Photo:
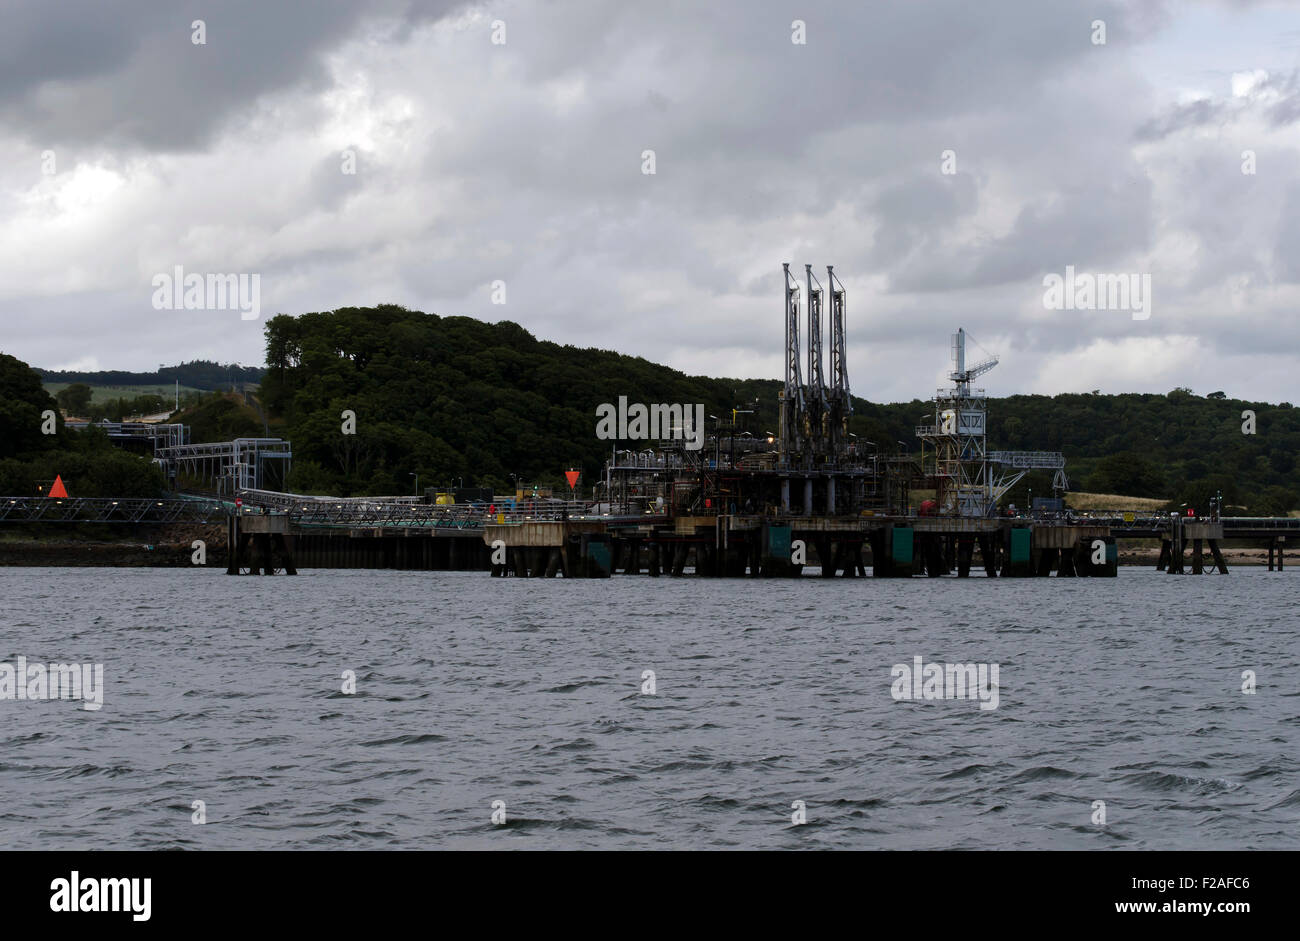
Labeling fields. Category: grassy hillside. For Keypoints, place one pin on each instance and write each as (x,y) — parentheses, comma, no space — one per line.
(1112,501)
(105,394)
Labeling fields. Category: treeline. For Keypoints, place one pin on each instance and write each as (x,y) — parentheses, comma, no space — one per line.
(453,398)
(200,374)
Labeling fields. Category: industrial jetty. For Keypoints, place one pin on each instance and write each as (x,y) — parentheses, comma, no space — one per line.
(741,503)
(719,500)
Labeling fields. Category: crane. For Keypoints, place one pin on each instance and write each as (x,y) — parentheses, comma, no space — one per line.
(961,375)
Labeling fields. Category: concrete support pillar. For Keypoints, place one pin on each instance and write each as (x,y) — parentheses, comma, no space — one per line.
(965,552)
(262,553)
(933,555)
(988,543)
(284,545)
(829,555)
(232,547)
(1218,557)
(1111,567)
(807,496)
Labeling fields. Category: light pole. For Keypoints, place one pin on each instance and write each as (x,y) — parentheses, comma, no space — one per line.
(417,482)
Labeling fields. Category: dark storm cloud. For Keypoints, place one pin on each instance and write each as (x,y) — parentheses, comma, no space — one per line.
(127,73)
(522,162)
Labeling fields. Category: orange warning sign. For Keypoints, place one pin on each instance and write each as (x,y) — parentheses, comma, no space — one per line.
(58,490)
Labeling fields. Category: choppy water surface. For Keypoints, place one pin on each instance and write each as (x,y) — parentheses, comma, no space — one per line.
(473,689)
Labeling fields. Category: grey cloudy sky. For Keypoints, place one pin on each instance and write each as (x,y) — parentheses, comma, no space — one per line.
(521,162)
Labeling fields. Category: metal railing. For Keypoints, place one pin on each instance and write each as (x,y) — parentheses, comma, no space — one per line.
(161,434)
(1048,460)
(409,511)
(108,510)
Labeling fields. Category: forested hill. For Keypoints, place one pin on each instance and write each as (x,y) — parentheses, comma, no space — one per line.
(199,374)
(454,397)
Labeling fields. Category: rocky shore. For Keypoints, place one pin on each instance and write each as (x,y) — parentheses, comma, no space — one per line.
(145,547)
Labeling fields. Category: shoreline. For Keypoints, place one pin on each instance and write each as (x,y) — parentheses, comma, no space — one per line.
(146,547)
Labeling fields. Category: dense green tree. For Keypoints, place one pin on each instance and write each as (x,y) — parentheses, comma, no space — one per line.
(23,404)
(1127,474)
(75,399)
(221,417)
(88,462)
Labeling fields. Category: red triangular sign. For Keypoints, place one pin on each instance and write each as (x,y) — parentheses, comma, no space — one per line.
(58,490)
(572,478)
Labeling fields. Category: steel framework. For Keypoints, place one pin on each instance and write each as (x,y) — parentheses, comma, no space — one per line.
(230,466)
(839,400)
(969,480)
(814,415)
(793,430)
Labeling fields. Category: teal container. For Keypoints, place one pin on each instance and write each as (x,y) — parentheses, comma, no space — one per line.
(901,546)
(598,554)
(778,542)
(1020,542)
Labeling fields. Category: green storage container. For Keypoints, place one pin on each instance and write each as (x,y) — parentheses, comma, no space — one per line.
(778,542)
(901,547)
(1020,540)
(598,553)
